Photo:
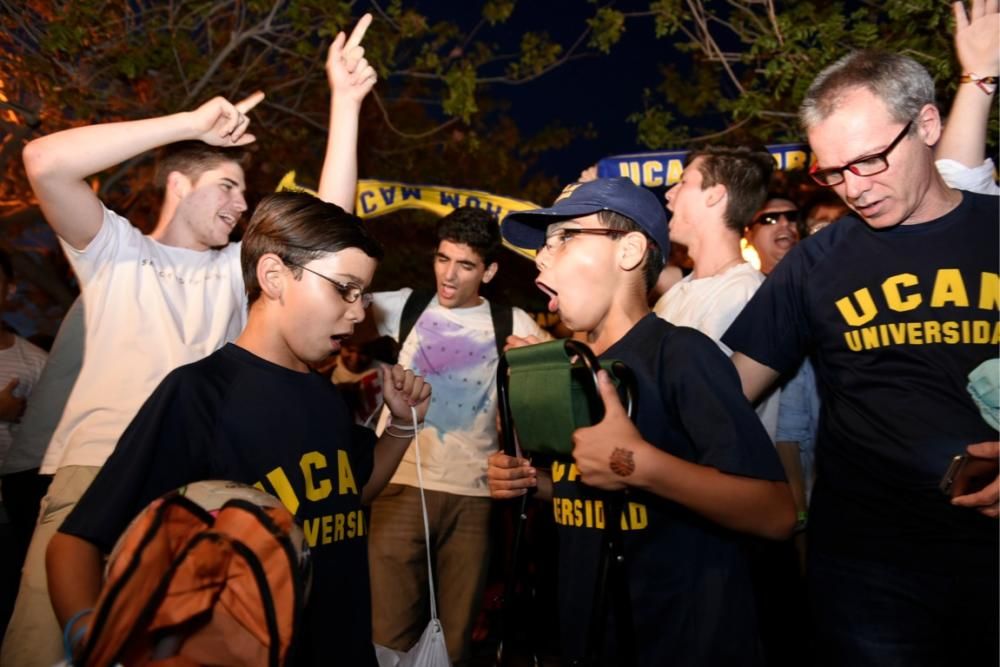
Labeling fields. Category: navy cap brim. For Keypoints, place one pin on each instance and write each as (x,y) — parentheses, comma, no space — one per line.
(526,229)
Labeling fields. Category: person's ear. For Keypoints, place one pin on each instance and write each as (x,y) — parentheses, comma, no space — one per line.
(491,271)
(179,185)
(272,275)
(632,250)
(716,194)
(929,124)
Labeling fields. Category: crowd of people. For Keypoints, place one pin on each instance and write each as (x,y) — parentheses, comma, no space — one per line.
(801,413)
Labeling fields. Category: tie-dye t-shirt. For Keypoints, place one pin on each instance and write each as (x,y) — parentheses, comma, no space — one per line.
(455,350)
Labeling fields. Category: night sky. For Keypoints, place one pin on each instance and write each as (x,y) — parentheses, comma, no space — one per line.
(600,91)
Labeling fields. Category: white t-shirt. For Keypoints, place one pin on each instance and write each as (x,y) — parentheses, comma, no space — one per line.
(455,350)
(23,361)
(149,308)
(710,305)
(974,179)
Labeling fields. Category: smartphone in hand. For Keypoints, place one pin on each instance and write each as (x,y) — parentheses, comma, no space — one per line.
(968,474)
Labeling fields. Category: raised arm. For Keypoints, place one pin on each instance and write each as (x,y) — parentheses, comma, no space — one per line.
(351,78)
(977,44)
(59,164)
(402,390)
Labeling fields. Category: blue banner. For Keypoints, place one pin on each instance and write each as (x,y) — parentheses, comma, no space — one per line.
(663,168)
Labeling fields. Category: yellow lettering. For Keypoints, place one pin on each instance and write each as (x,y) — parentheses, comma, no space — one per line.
(932,332)
(361,523)
(577,512)
(853,339)
(675,168)
(996,334)
(638,516)
(949,288)
(573,473)
(309,462)
(898,332)
(558,470)
(989,291)
(893,297)
(883,334)
(310,528)
(915,333)
(795,160)
(351,524)
(346,476)
(950,332)
(327,522)
(338,527)
(567,511)
(870,337)
(599,514)
(652,173)
(851,314)
(283,489)
(980,331)
(556,507)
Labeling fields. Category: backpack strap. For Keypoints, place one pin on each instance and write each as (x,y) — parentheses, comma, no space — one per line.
(503,324)
(501,315)
(415,305)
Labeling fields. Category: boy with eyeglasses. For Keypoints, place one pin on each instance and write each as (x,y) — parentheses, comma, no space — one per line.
(254,412)
(896,307)
(698,467)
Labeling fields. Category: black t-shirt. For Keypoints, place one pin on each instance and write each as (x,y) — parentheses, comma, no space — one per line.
(234,416)
(692,602)
(894,320)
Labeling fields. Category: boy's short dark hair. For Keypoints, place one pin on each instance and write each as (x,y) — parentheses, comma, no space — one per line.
(653,261)
(746,173)
(298,228)
(474,227)
(6,266)
(194,158)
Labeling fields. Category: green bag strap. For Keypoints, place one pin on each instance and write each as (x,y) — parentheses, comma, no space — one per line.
(550,397)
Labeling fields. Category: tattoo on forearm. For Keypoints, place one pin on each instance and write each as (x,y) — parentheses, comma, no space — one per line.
(622,462)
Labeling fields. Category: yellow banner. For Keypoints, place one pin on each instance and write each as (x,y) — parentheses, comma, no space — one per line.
(375,198)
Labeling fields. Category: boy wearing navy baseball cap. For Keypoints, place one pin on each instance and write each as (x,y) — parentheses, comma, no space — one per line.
(700,472)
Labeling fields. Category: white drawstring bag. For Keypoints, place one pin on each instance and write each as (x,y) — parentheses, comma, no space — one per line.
(430,650)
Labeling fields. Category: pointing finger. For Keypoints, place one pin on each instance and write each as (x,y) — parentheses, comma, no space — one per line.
(359,31)
(249,102)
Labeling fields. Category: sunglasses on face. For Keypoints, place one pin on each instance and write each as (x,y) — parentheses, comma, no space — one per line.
(774,217)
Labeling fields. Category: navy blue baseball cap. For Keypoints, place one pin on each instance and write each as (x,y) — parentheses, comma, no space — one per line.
(526,229)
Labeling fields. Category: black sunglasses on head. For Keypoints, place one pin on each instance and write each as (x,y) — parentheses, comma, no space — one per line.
(774,217)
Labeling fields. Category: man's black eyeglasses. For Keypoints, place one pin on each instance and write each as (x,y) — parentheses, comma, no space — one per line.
(555,241)
(348,292)
(774,217)
(869,165)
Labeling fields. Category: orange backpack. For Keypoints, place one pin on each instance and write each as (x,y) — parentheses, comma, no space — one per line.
(184,588)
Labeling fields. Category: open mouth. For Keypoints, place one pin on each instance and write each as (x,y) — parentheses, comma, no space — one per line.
(784,240)
(553,295)
(228,219)
(337,340)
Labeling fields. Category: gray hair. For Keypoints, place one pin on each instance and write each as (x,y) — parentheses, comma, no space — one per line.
(901,82)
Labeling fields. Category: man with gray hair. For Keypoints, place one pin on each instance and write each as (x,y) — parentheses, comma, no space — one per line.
(896,307)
